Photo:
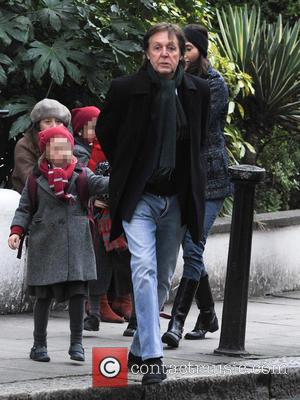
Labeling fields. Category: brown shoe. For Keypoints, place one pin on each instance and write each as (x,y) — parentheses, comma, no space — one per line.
(122,305)
(107,314)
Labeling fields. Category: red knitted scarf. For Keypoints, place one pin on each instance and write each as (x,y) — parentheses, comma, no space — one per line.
(58,178)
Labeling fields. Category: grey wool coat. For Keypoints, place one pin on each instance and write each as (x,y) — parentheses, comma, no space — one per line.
(60,246)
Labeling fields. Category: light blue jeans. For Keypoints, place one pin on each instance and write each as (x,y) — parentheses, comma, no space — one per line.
(154,235)
(194,267)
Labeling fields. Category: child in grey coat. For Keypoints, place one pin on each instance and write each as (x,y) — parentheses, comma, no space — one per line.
(61,257)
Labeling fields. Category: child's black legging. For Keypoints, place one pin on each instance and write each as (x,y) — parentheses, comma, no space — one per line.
(41,315)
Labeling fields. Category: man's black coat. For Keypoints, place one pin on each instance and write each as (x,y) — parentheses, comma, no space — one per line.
(124,135)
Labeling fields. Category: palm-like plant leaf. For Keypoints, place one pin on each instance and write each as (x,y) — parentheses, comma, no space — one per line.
(270,53)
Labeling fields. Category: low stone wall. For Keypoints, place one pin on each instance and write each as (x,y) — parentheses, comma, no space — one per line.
(275,262)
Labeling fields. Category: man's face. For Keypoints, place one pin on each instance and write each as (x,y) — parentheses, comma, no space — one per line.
(164,53)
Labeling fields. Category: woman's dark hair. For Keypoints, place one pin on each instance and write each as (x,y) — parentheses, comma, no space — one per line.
(172,29)
(33,131)
(200,66)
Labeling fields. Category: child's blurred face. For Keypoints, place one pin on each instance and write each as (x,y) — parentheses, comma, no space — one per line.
(88,132)
(59,152)
(49,123)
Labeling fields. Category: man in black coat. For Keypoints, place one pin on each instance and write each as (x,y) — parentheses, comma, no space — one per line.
(153,129)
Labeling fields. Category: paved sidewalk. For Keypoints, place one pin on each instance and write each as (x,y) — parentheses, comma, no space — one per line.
(271,371)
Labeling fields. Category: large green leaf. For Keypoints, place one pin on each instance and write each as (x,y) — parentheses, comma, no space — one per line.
(20,125)
(19,105)
(56,71)
(60,57)
(13,26)
(127,46)
(57,14)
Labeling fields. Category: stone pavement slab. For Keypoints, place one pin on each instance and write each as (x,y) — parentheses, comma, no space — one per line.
(270,371)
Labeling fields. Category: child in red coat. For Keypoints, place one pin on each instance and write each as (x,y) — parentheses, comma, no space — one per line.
(87,148)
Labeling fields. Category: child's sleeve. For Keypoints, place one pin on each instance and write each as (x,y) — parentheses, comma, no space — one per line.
(22,217)
(97,184)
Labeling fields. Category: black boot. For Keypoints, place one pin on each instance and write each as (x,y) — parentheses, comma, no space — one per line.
(196,333)
(181,307)
(207,320)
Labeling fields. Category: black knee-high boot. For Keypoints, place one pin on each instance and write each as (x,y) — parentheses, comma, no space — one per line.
(181,307)
(207,320)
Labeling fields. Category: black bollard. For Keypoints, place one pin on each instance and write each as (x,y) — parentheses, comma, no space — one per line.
(232,338)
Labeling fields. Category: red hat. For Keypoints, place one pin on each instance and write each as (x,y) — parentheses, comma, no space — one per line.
(81,116)
(57,131)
